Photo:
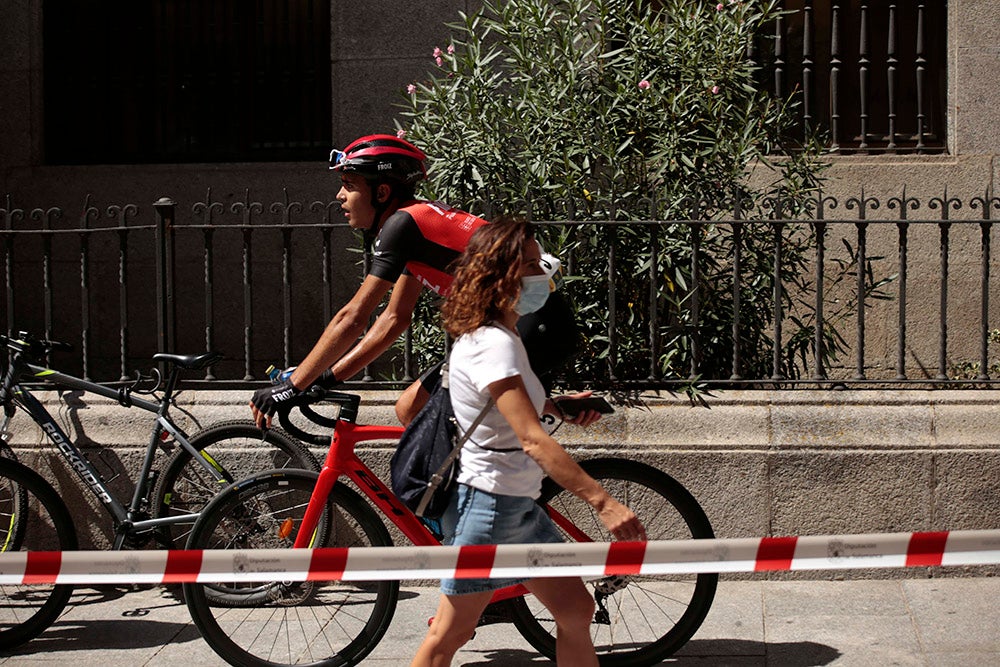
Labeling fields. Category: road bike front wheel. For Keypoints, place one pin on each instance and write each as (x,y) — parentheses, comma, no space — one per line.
(639,620)
(327,623)
(32,518)
(235,449)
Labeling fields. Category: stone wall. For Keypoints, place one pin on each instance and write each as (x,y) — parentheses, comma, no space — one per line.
(761,463)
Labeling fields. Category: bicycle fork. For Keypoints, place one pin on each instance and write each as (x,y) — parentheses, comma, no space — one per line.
(328,476)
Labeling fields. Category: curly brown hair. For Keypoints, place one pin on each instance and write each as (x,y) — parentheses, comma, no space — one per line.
(487,276)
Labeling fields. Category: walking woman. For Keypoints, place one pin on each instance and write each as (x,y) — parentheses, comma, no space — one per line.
(498,278)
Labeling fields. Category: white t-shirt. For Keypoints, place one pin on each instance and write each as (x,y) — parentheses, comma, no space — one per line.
(478,359)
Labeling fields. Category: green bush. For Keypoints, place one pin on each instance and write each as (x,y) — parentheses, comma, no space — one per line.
(629,111)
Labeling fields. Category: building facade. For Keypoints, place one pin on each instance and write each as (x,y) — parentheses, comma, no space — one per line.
(229,107)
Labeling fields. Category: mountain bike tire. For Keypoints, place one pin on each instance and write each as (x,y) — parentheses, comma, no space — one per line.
(27,610)
(639,620)
(328,623)
(12,523)
(237,449)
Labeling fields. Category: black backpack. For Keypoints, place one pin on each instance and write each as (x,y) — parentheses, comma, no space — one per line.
(425,463)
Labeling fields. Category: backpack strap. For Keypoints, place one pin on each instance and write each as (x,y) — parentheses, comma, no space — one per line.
(438,477)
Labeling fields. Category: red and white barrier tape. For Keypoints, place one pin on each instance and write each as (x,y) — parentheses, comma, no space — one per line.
(837,552)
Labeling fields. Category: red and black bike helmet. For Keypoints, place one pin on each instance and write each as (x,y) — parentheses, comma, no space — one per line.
(381,156)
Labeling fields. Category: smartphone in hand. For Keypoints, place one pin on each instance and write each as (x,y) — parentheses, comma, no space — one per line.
(571,407)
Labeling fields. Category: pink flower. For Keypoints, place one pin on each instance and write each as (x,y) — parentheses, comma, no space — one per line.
(437,52)
(400,133)
(644,84)
(715,90)
(451,49)
(411,89)
(438,61)
(719,7)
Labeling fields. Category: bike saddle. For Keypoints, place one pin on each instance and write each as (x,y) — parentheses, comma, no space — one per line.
(189,361)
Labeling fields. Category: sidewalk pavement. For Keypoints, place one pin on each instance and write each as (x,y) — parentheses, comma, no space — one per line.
(929,622)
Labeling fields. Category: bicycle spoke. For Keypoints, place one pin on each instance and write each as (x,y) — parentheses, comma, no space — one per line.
(34,519)
(235,449)
(638,620)
(325,622)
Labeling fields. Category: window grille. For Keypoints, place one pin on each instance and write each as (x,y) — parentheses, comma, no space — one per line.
(134,81)
(872,75)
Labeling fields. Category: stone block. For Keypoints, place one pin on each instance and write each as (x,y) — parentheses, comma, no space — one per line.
(850,492)
(403,29)
(977,107)
(966,489)
(368,95)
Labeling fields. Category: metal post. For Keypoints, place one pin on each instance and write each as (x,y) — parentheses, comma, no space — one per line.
(164,235)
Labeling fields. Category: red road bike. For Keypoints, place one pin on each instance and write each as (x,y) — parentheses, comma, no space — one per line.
(638,621)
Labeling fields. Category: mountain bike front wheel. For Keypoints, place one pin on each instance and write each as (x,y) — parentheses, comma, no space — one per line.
(639,620)
(235,449)
(32,518)
(327,623)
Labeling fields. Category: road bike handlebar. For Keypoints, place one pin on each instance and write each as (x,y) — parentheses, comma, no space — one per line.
(348,404)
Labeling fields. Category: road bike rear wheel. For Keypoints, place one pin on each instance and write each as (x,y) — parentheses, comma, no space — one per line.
(32,518)
(290,623)
(236,449)
(639,620)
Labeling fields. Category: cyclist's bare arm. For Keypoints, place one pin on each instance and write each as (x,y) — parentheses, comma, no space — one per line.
(342,332)
(388,326)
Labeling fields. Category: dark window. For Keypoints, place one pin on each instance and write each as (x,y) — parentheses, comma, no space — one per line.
(132,81)
(872,75)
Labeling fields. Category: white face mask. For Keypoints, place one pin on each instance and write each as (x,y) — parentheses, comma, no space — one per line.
(534,293)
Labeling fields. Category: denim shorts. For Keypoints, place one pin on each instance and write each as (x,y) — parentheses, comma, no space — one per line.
(481,517)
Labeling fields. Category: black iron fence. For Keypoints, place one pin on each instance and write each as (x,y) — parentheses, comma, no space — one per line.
(882,299)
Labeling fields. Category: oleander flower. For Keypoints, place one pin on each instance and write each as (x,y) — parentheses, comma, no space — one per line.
(400,134)
(719,7)
(411,89)
(715,90)
(437,52)
(644,84)
(451,49)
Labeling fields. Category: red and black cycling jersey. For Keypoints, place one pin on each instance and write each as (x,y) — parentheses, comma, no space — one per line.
(422,239)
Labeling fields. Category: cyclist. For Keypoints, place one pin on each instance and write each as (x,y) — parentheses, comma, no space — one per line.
(414,242)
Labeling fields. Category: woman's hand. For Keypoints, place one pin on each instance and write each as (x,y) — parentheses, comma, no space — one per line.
(584,418)
(621,521)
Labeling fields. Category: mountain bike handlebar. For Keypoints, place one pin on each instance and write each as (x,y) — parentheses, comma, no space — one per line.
(34,348)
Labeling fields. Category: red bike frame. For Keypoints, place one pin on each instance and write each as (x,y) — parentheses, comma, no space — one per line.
(341,459)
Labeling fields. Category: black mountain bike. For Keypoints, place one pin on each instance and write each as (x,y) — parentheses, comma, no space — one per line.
(164,504)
